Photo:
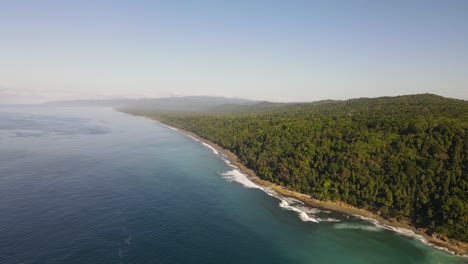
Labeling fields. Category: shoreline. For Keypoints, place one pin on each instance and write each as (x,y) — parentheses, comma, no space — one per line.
(403,228)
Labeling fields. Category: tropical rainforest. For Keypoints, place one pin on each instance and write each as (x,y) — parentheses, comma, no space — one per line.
(402,157)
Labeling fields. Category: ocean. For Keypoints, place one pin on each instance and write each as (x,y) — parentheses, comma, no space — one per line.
(92,185)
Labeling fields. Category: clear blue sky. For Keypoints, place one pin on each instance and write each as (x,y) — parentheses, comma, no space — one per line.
(270,50)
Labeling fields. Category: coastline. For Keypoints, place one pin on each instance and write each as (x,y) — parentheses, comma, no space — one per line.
(404,228)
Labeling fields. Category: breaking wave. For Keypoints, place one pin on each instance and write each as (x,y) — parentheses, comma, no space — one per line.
(357,226)
(406,232)
(237,176)
(402,231)
(329,219)
(210,147)
(192,137)
(173,128)
(303,215)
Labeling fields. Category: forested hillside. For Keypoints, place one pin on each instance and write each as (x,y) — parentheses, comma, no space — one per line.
(403,157)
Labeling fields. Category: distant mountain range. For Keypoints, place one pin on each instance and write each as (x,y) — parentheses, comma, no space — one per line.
(90,102)
(164,104)
(214,104)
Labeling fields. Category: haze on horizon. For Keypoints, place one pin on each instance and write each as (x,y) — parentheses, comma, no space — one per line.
(265,50)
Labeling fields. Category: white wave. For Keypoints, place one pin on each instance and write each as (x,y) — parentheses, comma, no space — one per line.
(444,249)
(303,215)
(192,137)
(210,147)
(329,219)
(307,209)
(409,233)
(292,201)
(173,128)
(357,226)
(237,176)
(406,232)
(368,219)
(228,162)
(270,192)
(303,211)
(402,231)
(233,166)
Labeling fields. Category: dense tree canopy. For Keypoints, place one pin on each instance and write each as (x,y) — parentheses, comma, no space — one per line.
(403,157)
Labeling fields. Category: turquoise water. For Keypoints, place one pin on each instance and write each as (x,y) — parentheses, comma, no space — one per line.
(98,186)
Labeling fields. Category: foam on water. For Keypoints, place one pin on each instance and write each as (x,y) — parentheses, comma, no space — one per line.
(173,128)
(287,203)
(229,163)
(270,191)
(292,201)
(192,137)
(357,226)
(329,219)
(304,216)
(307,209)
(402,231)
(125,247)
(368,219)
(406,232)
(210,147)
(237,176)
(409,233)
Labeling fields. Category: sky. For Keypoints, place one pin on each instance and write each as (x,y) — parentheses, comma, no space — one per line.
(265,50)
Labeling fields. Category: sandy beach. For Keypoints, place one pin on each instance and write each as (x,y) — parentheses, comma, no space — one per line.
(402,227)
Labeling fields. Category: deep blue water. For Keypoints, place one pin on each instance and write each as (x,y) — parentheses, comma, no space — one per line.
(97,186)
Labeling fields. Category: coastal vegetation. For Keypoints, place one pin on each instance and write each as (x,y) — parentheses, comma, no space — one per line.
(401,157)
